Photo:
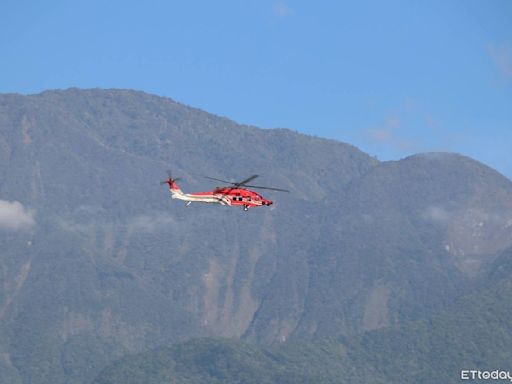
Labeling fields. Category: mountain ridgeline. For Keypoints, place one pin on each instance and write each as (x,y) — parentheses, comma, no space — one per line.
(358,251)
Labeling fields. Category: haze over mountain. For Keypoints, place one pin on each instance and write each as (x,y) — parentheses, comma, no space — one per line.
(103,263)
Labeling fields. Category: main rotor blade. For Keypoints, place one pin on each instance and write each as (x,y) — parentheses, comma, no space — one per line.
(270,188)
(213,178)
(238,184)
(244,182)
(169,174)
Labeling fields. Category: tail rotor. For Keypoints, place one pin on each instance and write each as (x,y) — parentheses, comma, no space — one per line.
(170,180)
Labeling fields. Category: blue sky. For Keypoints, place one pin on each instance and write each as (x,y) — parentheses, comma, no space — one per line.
(391,77)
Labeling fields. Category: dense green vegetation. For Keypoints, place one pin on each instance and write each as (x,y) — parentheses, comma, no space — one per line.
(475,333)
(229,361)
(424,352)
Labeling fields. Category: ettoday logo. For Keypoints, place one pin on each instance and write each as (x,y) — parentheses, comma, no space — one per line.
(473,374)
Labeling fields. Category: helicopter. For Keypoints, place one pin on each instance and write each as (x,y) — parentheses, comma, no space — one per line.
(233,194)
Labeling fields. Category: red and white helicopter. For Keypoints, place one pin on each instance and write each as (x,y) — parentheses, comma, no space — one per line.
(235,194)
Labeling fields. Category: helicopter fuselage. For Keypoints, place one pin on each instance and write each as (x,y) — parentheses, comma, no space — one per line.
(243,197)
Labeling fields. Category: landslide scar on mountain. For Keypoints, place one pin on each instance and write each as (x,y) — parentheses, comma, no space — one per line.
(19,281)
(223,313)
(376,309)
(24,130)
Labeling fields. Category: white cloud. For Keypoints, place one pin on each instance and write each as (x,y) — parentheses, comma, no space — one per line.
(502,57)
(87,220)
(437,214)
(281,9)
(13,216)
(388,135)
(74,227)
(150,223)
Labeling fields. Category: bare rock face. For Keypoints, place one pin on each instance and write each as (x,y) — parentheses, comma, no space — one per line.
(110,265)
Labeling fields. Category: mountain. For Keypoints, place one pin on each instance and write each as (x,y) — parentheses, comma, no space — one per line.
(111,266)
(231,361)
(406,239)
(475,333)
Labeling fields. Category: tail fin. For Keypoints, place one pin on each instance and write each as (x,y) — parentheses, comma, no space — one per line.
(174,188)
